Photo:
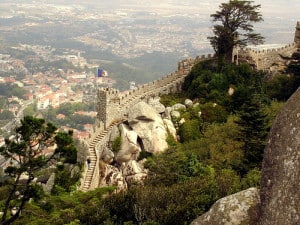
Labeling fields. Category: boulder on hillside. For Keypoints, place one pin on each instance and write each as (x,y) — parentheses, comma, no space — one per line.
(175,114)
(170,128)
(149,126)
(155,103)
(107,155)
(280,185)
(130,149)
(133,172)
(237,209)
(178,106)
(188,103)
(112,176)
(48,184)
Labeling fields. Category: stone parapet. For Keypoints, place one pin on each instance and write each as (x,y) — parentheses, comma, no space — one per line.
(265,58)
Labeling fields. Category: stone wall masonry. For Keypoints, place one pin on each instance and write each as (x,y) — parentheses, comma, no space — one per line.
(264,59)
(297,35)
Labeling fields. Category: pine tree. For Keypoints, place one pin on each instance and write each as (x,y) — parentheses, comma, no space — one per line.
(28,153)
(253,132)
(235,19)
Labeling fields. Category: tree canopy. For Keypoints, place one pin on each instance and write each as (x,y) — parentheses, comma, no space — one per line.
(235,27)
(29,151)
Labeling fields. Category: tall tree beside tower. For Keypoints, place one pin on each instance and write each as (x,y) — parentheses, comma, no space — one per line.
(234,27)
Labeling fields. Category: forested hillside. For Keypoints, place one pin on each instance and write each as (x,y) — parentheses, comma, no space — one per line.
(219,153)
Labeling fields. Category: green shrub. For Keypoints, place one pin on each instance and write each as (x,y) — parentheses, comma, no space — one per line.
(252,179)
(190,130)
(116,144)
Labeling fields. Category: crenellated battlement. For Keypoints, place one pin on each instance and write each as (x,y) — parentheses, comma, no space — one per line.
(263,52)
(265,59)
(112,104)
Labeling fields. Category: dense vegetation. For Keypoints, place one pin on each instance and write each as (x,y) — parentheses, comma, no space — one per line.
(29,154)
(219,153)
(12,90)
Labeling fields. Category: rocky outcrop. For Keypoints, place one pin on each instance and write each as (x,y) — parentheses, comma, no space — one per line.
(133,172)
(237,209)
(155,103)
(149,126)
(112,176)
(146,129)
(130,149)
(280,195)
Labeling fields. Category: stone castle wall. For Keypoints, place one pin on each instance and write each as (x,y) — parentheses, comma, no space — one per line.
(297,35)
(113,105)
(112,109)
(265,59)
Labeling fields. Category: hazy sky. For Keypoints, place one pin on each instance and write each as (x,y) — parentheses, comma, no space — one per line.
(280,8)
(285,8)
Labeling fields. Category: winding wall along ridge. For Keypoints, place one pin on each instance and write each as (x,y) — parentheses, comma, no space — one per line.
(113,105)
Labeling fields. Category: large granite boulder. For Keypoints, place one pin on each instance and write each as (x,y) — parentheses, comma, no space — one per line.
(107,155)
(178,106)
(280,185)
(149,126)
(155,103)
(130,148)
(237,209)
(170,127)
(188,103)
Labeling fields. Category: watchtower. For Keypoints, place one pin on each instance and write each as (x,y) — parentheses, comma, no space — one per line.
(297,35)
(235,50)
(102,104)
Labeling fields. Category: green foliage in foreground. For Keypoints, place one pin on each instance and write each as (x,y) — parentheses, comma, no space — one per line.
(28,155)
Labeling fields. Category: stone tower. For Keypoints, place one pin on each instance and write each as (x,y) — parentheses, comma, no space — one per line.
(235,50)
(297,34)
(102,105)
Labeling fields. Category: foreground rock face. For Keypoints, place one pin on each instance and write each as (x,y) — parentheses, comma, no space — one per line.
(237,209)
(280,195)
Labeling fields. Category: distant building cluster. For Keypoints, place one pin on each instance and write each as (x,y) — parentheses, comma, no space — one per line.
(52,88)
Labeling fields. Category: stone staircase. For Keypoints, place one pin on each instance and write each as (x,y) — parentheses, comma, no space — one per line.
(89,174)
(87,182)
